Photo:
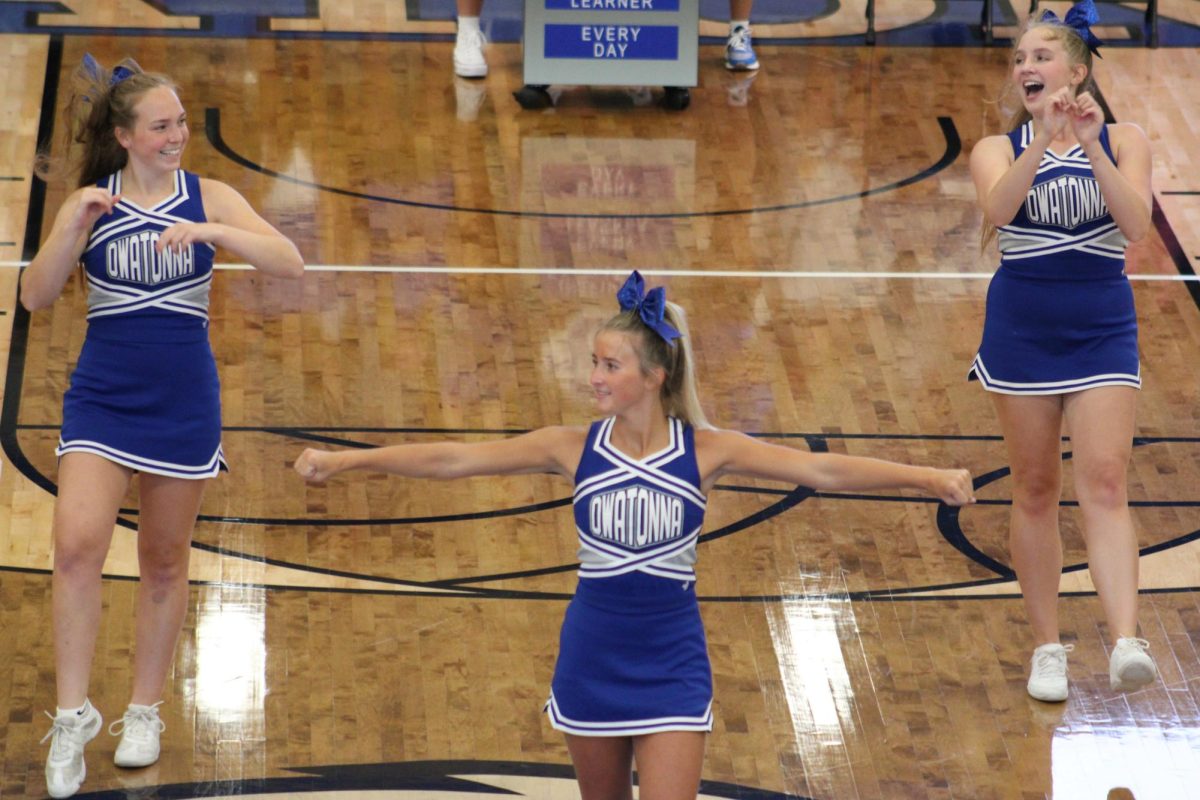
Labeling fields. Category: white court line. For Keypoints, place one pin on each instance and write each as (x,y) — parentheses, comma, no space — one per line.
(622,271)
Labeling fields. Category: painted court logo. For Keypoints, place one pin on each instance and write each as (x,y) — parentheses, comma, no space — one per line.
(417,780)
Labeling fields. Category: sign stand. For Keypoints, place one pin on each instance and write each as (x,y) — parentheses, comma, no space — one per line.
(610,43)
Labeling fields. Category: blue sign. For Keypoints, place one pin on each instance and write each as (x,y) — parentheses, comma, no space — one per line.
(612,42)
(613,5)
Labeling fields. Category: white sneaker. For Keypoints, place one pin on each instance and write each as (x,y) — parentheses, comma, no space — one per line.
(468,55)
(739,51)
(139,729)
(1130,667)
(65,768)
(1048,673)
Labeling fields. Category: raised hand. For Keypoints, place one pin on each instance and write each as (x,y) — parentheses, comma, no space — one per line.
(94,203)
(1087,118)
(1059,110)
(181,234)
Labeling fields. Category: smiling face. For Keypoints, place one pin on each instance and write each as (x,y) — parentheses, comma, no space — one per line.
(1042,66)
(617,380)
(159,131)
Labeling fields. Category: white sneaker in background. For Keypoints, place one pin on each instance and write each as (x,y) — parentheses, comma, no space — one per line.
(468,55)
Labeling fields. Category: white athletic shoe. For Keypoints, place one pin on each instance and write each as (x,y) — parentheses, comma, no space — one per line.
(1130,667)
(65,767)
(468,55)
(140,729)
(1048,673)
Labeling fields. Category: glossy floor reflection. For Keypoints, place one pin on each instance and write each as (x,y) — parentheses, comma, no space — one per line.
(1145,760)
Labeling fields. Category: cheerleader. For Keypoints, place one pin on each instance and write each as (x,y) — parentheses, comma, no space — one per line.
(632,682)
(144,397)
(1066,192)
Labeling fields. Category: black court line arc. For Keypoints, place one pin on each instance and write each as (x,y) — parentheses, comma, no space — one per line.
(1165,232)
(8,416)
(212,128)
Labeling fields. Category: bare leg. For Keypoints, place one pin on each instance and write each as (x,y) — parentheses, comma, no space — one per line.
(1032,428)
(669,764)
(90,490)
(1101,423)
(168,515)
(603,766)
(470,8)
(738,9)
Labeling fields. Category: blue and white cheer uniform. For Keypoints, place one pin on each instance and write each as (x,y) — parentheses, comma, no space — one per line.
(633,658)
(1060,315)
(145,392)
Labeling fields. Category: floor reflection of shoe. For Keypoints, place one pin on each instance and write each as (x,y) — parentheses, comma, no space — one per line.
(469,97)
(639,95)
(140,784)
(738,89)
(1045,716)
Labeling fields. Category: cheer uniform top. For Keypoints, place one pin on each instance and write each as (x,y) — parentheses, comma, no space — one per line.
(1060,315)
(144,392)
(632,657)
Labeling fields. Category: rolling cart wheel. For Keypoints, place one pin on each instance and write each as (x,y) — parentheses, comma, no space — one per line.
(533,97)
(677,98)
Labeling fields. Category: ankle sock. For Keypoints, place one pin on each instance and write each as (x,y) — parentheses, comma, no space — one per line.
(468,25)
(74,712)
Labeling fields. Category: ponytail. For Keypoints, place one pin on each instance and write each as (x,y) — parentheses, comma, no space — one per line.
(101,101)
(678,393)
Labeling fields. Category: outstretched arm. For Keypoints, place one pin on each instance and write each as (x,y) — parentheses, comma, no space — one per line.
(730,453)
(234,226)
(556,450)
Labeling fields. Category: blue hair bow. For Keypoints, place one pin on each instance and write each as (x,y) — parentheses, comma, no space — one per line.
(651,306)
(1080,18)
(119,74)
(94,70)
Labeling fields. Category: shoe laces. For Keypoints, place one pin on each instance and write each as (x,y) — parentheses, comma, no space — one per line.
(1132,641)
(739,39)
(1056,660)
(137,721)
(62,734)
(477,38)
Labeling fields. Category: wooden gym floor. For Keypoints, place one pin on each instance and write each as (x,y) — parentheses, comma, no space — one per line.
(376,638)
